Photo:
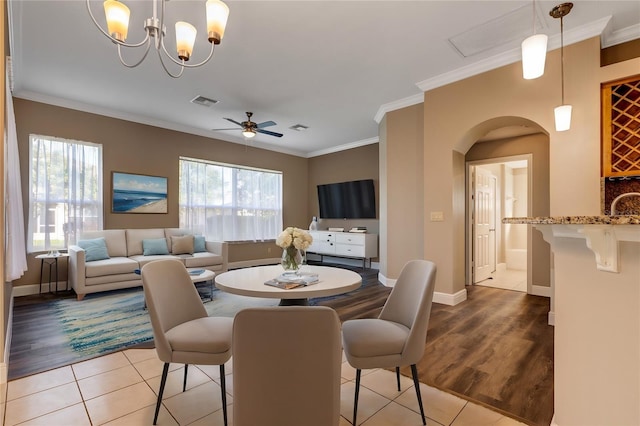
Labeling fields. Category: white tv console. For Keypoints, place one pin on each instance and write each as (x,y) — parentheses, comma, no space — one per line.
(344,244)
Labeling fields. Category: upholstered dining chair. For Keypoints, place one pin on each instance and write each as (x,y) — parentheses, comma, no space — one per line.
(182,330)
(286,366)
(397,337)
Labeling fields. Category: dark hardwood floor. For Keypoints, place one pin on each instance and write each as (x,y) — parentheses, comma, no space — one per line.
(495,348)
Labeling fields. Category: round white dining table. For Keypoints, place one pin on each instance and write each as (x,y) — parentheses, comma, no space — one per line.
(251,282)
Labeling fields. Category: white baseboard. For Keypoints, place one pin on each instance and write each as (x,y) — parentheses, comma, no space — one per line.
(443,298)
(450,299)
(29,289)
(538,290)
(551,318)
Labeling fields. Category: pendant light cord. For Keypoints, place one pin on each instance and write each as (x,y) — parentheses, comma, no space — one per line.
(562,57)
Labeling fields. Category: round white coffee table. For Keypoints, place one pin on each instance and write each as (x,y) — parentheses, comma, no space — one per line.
(251,282)
(206,276)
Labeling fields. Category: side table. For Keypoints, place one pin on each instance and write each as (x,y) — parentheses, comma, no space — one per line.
(51,260)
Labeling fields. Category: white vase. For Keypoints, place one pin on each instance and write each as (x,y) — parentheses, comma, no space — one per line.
(313,226)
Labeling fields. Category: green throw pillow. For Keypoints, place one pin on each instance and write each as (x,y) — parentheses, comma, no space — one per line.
(95,249)
(198,244)
(154,246)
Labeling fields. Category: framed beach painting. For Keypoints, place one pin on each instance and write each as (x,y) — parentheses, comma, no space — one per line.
(132,193)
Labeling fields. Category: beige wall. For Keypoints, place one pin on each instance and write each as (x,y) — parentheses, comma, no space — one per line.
(137,148)
(457,115)
(352,164)
(538,146)
(402,207)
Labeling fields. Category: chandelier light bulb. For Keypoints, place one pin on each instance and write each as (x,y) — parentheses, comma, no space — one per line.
(217,15)
(117,15)
(185,39)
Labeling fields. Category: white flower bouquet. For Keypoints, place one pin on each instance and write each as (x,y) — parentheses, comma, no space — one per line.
(295,242)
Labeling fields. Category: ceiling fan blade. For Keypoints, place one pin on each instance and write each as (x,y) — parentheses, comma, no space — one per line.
(265,124)
(231,128)
(267,132)
(233,121)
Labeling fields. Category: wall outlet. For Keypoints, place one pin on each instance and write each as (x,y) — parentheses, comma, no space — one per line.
(437,216)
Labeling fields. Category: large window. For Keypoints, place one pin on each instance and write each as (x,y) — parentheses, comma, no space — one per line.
(230,203)
(65,191)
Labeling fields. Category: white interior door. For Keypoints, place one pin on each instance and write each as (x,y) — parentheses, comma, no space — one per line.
(484,218)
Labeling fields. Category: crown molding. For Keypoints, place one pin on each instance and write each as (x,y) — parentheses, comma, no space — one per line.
(621,36)
(93,109)
(402,103)
(344,147)
(576,35)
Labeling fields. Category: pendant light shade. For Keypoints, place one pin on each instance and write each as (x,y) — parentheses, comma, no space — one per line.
(534,55)
(563,117)
(563,112)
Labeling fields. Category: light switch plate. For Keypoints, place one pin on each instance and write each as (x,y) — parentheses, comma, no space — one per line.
(437,216)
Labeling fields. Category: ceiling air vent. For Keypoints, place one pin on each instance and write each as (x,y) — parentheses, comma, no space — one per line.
(201,100)
(299,127)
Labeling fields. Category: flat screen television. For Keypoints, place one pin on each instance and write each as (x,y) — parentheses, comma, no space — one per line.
(347,200)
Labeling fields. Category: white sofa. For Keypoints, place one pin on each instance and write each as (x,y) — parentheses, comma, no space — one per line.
(125,249)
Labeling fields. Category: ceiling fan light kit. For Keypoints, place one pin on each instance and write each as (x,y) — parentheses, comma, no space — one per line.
(117,16)
(250,128)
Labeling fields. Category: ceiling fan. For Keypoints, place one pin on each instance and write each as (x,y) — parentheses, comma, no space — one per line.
(250,128)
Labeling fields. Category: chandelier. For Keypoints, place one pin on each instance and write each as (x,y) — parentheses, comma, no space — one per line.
(117,17)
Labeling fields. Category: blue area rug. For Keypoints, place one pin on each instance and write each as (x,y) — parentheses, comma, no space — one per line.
(106,322)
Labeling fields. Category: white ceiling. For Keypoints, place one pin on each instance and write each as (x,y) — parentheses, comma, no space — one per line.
(334,66)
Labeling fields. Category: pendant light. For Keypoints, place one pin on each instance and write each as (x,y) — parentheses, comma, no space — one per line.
(563,112)
(534,52)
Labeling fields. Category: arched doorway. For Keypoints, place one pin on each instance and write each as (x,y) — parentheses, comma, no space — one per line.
(499,141)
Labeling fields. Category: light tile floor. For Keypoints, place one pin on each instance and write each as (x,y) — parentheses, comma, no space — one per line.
(507,279)
(120,389)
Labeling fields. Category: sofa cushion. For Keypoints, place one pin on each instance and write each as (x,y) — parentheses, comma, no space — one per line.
(115,239)
(199,260)
(154,246)
(176,232)
(95,249)
(198,244)
(112,266)
(182,245)
(143,260)
(134,239)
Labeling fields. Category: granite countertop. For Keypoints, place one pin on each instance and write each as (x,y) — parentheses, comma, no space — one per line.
(575,220)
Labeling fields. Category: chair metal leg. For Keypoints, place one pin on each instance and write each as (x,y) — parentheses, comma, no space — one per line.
(355,400)
(398,377)
(163,381)
(416,384)
(223,387)
(184,382)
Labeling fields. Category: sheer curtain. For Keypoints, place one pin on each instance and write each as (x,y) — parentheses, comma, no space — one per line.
(228,203)
(16,255)
(65,196)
